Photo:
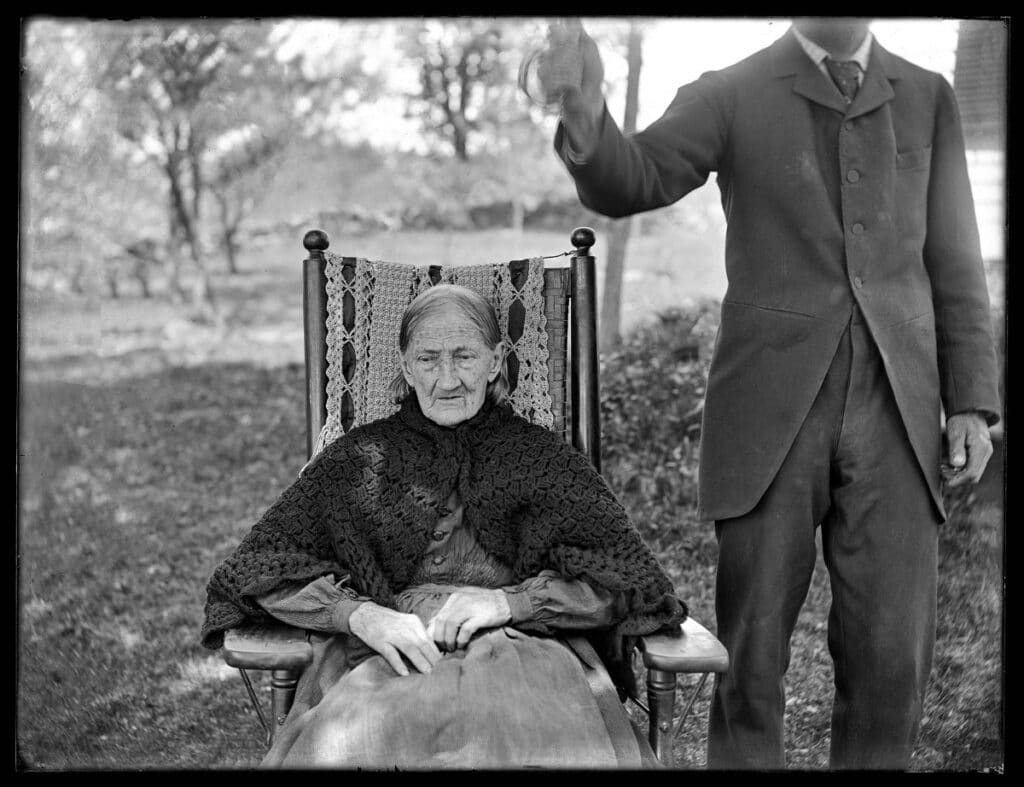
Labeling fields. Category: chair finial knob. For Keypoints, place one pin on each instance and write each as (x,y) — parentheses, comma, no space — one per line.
(583,238)
(316,240)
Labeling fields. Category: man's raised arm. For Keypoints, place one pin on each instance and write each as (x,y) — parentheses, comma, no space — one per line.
(616,175)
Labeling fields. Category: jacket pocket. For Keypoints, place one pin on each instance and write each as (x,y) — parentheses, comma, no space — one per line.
(914,159)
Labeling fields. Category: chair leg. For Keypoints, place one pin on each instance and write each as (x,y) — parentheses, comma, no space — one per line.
(282,685)
(256,704)
(661,697)
(689,704)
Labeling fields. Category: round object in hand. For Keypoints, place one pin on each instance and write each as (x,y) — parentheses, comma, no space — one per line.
(558,65)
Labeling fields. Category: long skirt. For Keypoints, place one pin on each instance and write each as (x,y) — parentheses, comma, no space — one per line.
(507,700)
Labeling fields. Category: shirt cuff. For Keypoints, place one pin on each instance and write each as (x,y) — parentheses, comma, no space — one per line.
(342,611)
(574,158)
(991,418)
(519,604)
(563,142)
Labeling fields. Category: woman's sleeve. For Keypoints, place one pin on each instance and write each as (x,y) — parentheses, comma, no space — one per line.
(548,602)
(592,538)
(291,543)
(321,605)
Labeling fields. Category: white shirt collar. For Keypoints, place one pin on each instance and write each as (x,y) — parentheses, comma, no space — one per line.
(818,55)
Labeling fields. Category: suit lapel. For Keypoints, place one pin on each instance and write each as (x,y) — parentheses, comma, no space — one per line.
(811,83)
(875,90)
(789,59)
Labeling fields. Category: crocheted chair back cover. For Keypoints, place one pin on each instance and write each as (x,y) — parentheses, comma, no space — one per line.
(362,339)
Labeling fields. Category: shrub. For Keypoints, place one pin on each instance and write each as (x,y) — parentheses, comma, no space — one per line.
(652,399)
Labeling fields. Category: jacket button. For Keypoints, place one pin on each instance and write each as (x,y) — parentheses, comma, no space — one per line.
(848,125)
(853,176)
(857,228)
(858,282)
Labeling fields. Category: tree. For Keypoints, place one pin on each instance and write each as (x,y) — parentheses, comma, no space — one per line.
(469,106)
(618,237)
(169,133)
(187,93)
(240,173)
(157,74)
(85,197)
(467,92)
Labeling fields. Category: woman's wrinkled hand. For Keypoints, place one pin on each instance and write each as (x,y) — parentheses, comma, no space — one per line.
(394,634)
(464,613)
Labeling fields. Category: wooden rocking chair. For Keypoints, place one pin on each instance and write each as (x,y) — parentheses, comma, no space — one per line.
(569,303)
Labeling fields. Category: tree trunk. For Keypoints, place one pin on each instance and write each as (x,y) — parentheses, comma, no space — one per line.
(76,279)
(175,242)
(618,237)
(611,300)
(229,230)
(230,252)
(141,273)
(112,282)
(202,290)
(459,141)
(172,254)
(174,285)
(518,213)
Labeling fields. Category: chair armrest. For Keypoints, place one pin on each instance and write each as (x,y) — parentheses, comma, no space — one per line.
(695,650)
(270,646)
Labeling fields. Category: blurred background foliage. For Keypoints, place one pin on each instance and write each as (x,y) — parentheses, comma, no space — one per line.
(150,147)
(154,151)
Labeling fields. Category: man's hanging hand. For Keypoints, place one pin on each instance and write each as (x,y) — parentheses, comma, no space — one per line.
(970,448)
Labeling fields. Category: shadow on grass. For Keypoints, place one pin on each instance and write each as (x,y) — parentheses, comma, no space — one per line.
(130,494)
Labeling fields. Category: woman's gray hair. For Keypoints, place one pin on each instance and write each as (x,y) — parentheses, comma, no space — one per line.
(476,308)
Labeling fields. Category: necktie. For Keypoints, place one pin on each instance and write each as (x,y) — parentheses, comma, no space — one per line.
(844,74)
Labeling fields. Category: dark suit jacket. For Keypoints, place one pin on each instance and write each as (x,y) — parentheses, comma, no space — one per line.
(827,205)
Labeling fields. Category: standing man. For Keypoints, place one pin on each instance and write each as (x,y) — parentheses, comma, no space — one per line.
(856,315)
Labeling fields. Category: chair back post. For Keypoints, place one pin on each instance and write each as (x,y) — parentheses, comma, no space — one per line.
(586,415)
(314,320)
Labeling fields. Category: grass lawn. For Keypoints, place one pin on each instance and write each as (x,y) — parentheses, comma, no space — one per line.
(149,445)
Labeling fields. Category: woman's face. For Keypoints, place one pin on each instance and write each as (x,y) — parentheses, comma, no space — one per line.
(448,364)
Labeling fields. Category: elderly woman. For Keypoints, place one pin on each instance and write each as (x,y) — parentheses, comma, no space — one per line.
(439,555)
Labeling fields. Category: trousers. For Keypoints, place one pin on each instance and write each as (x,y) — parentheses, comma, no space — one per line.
(851,471)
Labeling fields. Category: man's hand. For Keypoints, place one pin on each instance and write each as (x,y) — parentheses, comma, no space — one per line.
(464,613)
(970,448)
(571,70)
(394,634)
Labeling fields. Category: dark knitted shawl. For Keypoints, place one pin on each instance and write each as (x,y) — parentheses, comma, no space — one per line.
(367,504)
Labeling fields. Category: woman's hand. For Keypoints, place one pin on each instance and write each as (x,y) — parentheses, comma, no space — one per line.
(464,613)
(393,635)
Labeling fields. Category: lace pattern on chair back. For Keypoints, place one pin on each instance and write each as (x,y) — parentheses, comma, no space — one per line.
(362,357)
